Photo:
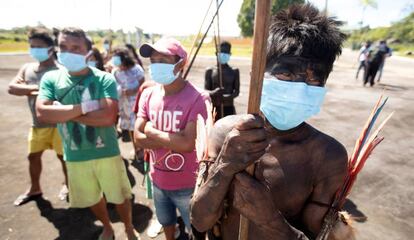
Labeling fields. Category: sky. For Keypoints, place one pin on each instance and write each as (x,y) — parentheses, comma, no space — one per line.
(170,17)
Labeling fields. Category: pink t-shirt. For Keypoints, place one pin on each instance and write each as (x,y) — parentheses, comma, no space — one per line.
(172,170)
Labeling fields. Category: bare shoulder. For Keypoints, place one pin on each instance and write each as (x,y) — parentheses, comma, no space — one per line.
(330,154)
(209,70)
(219,132)
(235,69)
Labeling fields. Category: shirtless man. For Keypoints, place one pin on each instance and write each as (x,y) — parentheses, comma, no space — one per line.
(298,168)
(231,83)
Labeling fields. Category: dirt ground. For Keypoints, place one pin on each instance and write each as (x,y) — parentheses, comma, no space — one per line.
(382,199)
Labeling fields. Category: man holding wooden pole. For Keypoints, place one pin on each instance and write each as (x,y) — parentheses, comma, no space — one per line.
(298,169)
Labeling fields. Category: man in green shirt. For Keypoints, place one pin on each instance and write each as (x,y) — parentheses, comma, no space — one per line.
(83,102)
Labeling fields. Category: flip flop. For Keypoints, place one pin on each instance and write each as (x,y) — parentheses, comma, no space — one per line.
(63,194)
(25,198)
(154,229)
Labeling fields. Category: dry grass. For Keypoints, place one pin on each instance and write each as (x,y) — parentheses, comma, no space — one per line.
(12,46)
(241,47)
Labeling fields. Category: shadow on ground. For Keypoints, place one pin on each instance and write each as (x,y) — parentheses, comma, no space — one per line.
(392,87)
(79,224)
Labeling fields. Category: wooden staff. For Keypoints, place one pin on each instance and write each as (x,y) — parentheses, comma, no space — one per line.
(261,32)
(218,50)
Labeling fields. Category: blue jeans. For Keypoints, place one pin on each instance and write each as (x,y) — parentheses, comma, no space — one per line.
(167,201)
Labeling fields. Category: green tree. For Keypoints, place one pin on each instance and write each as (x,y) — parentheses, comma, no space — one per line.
(245,19)
(403,30)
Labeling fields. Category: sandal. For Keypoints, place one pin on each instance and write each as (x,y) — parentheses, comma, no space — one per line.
(64,192)
(25,198)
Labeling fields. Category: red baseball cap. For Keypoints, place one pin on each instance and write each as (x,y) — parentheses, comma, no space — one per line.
(169,46)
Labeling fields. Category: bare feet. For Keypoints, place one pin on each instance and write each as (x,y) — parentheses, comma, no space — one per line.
(132,234)
(107,234)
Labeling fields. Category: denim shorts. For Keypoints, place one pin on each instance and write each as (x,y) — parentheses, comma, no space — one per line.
(167,201)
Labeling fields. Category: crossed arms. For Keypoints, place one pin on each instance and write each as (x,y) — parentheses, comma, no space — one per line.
(104,116)
(148,137)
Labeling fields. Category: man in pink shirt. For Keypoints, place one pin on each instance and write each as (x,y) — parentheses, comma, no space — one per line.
(166,125)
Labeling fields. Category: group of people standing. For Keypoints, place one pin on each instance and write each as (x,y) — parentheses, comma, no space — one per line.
(372,59)
(79,96)
(299,169)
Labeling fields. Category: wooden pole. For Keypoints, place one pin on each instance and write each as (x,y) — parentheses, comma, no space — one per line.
(218,42)
(261,33)
(201,42)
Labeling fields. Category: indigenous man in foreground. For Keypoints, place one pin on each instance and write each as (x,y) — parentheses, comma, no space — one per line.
(84,103)
(298,168)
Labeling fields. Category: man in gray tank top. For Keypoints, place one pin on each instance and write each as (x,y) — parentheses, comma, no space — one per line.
(41,136)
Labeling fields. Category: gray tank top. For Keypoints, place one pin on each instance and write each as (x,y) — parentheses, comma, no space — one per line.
(32,76)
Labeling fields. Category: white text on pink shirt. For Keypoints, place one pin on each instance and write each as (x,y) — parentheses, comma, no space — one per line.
(166,121)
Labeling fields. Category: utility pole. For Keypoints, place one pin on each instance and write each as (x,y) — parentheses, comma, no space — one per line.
(110,14)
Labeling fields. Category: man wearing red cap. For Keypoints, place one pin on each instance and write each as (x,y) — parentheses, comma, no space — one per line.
(166,125)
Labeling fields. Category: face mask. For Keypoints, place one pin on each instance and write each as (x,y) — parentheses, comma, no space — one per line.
(73,62)
(116,60)
(163,73)
(106,46)
(40,54)
(288,104)
(223,58)
(92,64)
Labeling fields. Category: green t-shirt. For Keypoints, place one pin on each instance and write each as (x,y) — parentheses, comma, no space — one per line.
(82,142)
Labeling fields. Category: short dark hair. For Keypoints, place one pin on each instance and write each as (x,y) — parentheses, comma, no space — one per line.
(126,57)
(225,47)
(43,34)
(79,33)
(99,59)
(134,52)
(303,31)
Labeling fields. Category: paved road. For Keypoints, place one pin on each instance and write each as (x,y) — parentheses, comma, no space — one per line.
(384,193)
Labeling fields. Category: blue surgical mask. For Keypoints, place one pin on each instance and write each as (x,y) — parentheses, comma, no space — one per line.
(106,46)
(92,64)
(40,54)
(71,61)
(287,104)
(163,73)
(116,60)
(224,58)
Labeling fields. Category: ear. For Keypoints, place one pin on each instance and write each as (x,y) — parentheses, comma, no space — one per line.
(179,66)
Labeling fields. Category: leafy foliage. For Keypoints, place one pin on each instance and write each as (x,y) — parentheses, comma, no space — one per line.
(399,34)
